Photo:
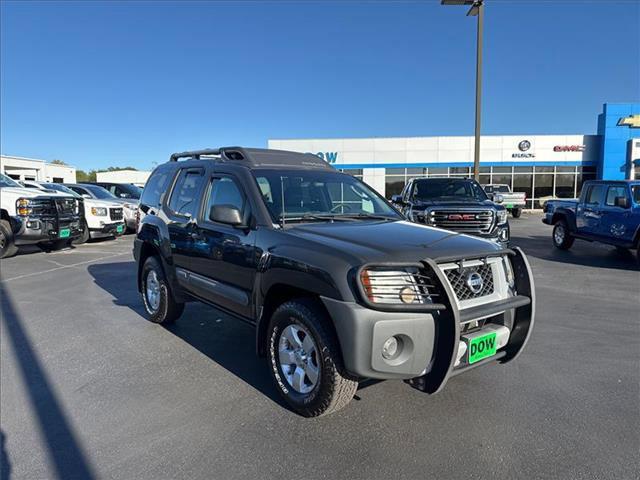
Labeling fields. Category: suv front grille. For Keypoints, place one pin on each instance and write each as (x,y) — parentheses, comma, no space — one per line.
(115,214)
(465,221)
(459,280)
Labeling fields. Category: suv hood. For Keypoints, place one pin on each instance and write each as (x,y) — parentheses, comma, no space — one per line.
(395,241)
(26,192)
(92,202)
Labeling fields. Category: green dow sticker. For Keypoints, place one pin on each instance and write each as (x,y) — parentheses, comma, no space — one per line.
(64,233)
(482,347)
(119,228)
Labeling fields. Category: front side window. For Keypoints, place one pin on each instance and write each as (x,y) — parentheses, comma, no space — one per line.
(184,198)
(613,192)
(225,191)
(318,193)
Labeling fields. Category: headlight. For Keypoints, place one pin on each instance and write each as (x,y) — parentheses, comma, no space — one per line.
(99,211)
(501,215)
(398,287)
(23,206)
(429,217)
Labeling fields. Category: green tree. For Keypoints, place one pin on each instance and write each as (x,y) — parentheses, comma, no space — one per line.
(58,162)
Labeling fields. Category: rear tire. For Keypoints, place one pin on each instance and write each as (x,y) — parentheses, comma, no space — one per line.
(7,246)
(516,212)
(312,381)
(158,299)
(562,238)
(84,237)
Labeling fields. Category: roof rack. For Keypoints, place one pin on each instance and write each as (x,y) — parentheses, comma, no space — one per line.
(256,157)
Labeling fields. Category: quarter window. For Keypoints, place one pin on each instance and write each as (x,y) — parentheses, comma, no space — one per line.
(184,199)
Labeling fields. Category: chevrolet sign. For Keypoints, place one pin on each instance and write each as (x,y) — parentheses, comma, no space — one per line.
(632,121)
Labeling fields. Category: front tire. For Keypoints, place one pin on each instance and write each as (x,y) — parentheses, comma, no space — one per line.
(158,299)
(7,246)
(516,212)
(305,360)
(562,238)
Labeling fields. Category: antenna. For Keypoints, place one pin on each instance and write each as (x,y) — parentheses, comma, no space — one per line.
(282,222)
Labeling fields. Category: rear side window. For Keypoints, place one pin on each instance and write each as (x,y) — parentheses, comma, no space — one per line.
(184,198)
(594,194)
(155,187)
(613,192)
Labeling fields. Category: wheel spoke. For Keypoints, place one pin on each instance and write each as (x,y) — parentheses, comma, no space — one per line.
(312,373)
(297,380)
(287,357)
(291,333)
(308,346)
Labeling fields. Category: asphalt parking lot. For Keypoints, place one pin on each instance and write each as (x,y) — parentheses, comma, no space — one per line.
(90,389)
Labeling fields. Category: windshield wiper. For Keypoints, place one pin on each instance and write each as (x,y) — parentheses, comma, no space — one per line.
(366,216)
(313,216)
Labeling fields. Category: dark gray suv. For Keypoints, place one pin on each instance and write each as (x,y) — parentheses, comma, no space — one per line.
(337,283)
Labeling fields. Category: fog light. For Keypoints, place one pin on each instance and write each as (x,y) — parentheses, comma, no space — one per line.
(33,225)
(390,348)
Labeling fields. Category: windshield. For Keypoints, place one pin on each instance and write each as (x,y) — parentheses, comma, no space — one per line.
(99,192)
(496,189)
(60,188)
(319,194)
(448,188)
(8,182)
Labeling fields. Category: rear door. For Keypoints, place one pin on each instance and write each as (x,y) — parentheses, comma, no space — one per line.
(182,212)
(615,223)
(589,210)
(224,257)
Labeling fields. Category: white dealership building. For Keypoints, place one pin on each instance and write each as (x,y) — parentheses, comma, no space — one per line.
(22,168)
(540,165)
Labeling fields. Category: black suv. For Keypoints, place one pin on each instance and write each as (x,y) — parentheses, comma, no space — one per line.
(458,204)
(121,190)
(338,285)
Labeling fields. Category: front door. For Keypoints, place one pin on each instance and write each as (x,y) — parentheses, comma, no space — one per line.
(224,257)
(615,222)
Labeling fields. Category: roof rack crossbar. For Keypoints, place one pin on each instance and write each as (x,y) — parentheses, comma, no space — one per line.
(195,154)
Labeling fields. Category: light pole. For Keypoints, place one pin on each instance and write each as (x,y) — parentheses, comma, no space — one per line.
(476,10)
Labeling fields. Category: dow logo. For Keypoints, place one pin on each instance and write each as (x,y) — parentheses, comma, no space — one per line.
(330,157)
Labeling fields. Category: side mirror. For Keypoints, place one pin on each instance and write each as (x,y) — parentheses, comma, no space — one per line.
(125,195)
(622,202)
(498,198)
(397,199)
(225,214)
(86,195)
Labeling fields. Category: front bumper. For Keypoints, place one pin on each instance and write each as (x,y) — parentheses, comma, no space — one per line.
(108,230)
(431,340)
(33,230)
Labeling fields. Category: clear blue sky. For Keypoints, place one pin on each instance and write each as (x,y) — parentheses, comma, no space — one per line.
(125,83)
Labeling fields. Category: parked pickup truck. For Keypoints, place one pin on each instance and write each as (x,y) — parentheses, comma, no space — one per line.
(457,204)
(30,216)
(335,281)
(607,212)
(514,202)
(101,218)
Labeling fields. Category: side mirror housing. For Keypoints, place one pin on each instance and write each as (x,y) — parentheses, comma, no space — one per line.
(86,195)
(622,202)
(397,199)
(226,214)
(498,198)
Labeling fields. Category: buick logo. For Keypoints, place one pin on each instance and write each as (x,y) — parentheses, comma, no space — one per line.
(474,282)
(524,145)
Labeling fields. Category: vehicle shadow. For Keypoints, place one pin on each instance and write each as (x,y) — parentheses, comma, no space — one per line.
(227,341)
(582,253)
(63,446)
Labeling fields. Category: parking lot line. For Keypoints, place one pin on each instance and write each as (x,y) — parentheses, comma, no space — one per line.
(63,267)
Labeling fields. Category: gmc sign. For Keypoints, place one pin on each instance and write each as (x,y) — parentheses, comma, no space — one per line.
(569,148)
